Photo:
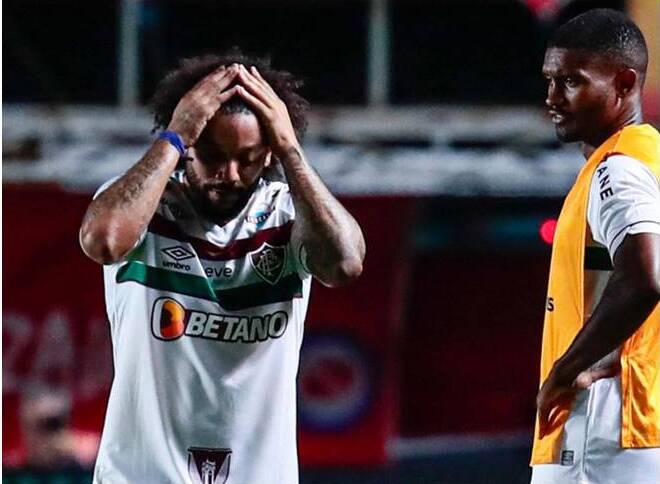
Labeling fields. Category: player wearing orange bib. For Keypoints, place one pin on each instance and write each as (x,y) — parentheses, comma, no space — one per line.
(599,403)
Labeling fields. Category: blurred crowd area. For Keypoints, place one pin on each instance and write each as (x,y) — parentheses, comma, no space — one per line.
(428,123)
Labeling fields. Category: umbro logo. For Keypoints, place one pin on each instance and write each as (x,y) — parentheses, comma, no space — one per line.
(178,253)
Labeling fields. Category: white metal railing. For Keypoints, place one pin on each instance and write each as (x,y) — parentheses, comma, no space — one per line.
(84,146)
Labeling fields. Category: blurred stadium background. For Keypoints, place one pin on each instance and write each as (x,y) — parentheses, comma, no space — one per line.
(428,122)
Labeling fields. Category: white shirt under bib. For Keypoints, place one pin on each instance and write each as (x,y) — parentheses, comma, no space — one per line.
(624,199)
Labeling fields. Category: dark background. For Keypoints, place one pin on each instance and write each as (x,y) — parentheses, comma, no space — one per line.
(475,51)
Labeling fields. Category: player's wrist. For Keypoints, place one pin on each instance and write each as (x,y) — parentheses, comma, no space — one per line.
(174,139)
(188,127)
(166,151)
(564,373)
(289,152)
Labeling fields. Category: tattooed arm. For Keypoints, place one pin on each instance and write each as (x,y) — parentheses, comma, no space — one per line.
(119,215)
(330,236)
(116,218)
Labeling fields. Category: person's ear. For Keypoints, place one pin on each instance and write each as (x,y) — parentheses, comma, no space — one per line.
(625,82)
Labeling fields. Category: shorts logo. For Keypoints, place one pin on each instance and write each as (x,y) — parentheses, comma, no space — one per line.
(567,457)
(170,325)
(208,466)
(178,253)
(269,262)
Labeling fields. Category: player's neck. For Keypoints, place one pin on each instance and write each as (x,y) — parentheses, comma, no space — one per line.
(627,118)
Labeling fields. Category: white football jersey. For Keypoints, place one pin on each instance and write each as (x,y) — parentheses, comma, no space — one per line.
(206,324)
(624,199)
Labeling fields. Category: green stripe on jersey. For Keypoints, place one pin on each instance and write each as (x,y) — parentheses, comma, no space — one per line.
(261,293)
(165,280)
(237,298)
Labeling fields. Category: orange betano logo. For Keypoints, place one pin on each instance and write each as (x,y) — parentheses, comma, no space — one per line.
(171,324)
(170,320)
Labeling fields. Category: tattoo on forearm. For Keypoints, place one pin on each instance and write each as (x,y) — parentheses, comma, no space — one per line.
(132,185)
(326,229)
(135,192)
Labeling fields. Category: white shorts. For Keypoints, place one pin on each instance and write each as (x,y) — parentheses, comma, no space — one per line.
(591,452)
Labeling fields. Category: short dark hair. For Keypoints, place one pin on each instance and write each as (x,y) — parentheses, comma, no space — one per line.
(606,32)
(190,71)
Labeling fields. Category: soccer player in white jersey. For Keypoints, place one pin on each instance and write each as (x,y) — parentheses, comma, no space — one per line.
(207,266)
(599,403)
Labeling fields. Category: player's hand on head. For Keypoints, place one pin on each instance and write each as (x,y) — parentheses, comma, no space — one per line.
(201,103)
(270,109)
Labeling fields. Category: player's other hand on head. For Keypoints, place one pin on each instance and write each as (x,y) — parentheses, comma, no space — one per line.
(200,104)
(270,109)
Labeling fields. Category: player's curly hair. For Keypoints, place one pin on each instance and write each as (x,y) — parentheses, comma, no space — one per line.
(178,82)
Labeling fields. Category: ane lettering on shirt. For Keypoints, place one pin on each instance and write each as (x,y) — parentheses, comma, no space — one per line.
(604,182)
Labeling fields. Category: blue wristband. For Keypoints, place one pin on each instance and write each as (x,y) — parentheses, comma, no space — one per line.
(175,140)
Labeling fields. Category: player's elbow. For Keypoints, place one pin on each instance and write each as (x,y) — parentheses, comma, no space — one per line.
(346,271)
(99,244)
(351,269)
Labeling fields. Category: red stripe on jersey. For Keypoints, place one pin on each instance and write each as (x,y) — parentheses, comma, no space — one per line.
(234,250)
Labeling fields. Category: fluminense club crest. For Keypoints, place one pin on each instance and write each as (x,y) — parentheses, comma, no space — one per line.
(208,466)
(269,262)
